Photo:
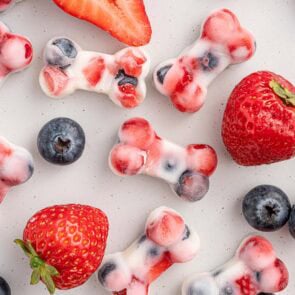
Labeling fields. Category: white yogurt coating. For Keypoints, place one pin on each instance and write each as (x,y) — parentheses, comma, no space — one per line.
(132,270)
(254,269)
(222,42)
(67,79)
(16,166)
(141,151)
(16,52)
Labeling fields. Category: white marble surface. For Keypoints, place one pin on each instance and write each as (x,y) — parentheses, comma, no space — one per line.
(217,218)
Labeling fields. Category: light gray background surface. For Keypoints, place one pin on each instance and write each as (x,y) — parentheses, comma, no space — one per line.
(217,218)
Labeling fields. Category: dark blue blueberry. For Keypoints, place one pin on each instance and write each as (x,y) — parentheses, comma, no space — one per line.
(187,233)
(209,61)
(192,186)
(142,239)
(258,276)
(61,141)
(62,52)
(170,165)
(162,72)
(154,251)
(4,287)
(227,290)
(105,270)
(126,79)
(292,222)
(266,208)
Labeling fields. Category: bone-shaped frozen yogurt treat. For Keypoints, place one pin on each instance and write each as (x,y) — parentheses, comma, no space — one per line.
(5,4)
(16,166)
(16,52)
(167,240)
(255,269)
(120,76)
(142,151)
(222,42)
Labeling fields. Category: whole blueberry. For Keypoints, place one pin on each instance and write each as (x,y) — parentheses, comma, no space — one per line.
(4,287)
(192,186)
(292,222)
(105,270)
(61,141)
(61,52)
(266,208)
(209,61)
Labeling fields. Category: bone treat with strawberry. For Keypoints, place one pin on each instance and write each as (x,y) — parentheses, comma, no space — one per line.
(255,270)
(16,166)
(120,76)
(259,120)
(125,20)
(185,79)
(167,240)
(65,245)
(141,151)
(16,52)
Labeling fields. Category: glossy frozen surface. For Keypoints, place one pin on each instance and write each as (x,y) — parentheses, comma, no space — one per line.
(128,201)
(120,76)
(254,269)
(166,240)
(222,42)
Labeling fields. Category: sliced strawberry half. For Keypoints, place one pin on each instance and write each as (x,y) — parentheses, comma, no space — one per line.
(125,20)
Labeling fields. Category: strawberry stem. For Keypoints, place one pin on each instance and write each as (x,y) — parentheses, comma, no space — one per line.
(286,95)
(41,270)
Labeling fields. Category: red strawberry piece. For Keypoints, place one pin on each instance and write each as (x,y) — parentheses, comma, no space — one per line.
(65,245)
(167,230)
(137,132)
(246,286)
(259,120)
(94,71)
(55,79)
(128,96)
(125,20)
(127,159)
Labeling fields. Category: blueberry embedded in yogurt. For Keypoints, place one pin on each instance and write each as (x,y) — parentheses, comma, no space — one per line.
(61,141)
(266,208)
(4,287)
(292,222)
(61,52)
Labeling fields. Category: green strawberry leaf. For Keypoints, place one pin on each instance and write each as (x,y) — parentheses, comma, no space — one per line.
(35,277)
(286,95)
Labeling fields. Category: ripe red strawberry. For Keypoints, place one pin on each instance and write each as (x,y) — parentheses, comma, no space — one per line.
(65,245)
(125,20)
(259,120)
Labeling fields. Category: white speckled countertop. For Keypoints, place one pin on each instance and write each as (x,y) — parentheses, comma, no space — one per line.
(217,218)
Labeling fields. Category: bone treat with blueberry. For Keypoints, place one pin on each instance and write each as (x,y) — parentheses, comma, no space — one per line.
(16,52)
(16,166)
(222,42)
(167,240)
(141,151)
(65,245)
(120,76)
(254,270)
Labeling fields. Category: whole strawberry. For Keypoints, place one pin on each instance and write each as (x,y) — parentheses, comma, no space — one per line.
(65,245)
(259,120)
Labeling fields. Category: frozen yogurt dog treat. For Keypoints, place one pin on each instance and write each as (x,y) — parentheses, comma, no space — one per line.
(222,42)
(142,151)
(120,76)
(16,166)
(254,270)
(167,239)
(16,52)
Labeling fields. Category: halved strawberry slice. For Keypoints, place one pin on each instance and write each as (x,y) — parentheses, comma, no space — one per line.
(126,20)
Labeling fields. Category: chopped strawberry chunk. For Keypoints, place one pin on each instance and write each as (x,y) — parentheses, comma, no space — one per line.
(94,71)
(246,285)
